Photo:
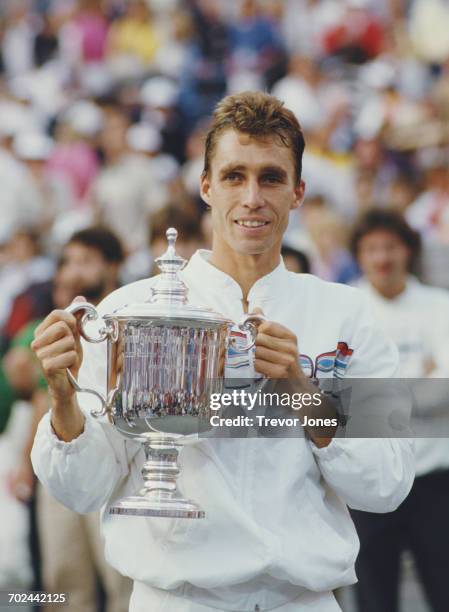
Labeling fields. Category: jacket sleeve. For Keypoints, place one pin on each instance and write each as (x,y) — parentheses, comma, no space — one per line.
(80,474)
(83,473)
(372,467)
(370,474)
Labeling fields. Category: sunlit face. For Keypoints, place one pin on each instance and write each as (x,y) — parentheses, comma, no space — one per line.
(251,189)
(383,258)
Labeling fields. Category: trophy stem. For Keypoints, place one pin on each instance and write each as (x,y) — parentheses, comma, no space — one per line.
(159,495)
(160,470)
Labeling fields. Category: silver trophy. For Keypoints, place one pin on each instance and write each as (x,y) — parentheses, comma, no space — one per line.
(165,357)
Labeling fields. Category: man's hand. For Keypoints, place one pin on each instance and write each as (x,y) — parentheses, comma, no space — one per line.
(277,357)
(276,351)
(57,346)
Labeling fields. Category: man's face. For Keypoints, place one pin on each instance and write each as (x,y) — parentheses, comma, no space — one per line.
(86,271)
(251,189)
(383,258)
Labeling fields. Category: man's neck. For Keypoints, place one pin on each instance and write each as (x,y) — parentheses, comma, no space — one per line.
(390,292)
(244,269)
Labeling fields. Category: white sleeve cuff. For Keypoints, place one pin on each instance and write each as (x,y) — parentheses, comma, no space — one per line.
(74,446)
(329,452)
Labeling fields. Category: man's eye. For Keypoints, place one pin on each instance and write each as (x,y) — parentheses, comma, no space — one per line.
(271,178)
(233,176)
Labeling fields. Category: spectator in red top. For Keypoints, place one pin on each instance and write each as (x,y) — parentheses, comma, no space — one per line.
(357,37)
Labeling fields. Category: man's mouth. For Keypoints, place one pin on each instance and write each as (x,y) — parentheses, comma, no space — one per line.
(251,222)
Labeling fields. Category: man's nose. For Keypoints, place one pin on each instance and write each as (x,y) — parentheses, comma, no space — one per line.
(253,197)
(380,257)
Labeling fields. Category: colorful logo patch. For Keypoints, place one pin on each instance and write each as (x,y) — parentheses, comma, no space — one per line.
(333,361)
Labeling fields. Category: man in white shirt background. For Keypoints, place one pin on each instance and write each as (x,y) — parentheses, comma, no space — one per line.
(416,318)
(277,532)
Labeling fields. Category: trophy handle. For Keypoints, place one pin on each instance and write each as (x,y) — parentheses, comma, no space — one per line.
(90,314)
(249,324)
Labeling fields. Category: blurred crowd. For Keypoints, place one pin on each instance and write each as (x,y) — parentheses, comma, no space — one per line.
(103,108)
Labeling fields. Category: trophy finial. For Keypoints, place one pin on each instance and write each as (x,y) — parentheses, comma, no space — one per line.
(172,234)
(169,286)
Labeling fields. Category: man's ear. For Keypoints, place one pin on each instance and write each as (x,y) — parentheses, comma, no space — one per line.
(299,195)
(205,188)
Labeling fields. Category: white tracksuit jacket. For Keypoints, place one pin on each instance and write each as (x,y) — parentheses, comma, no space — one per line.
(277,533)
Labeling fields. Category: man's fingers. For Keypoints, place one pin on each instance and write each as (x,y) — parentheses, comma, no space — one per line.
(59,347)
(58,330)
(61,315)
(53,364)
(54,317)
(276,329)
(275,357)
(269,369)
(276,344)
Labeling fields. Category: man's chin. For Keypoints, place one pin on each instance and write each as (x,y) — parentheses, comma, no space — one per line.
(252,247)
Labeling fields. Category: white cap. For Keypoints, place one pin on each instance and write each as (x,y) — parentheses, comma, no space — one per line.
(33,146)
(84,117)
(144,137)
(378,74)
(159,92)
(302,101)
(165,167)
(14,118)
(42,87)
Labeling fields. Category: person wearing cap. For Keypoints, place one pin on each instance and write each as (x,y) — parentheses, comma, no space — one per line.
(74,158)
(127,191)
(277,533)
(51,194)
(20,206)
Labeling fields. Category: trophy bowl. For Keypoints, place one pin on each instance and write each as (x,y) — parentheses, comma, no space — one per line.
(165,357)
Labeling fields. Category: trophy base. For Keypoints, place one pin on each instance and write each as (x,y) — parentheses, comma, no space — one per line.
(138,505)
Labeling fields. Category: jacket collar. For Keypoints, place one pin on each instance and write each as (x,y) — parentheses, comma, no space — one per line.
(200,271)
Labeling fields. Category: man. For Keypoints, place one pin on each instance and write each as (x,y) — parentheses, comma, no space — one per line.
(277,534)
(70,543)
(416,318)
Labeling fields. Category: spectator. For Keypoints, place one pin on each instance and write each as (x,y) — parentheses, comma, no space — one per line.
(330,259)
(133,40)
(89,265)
(17,43)
(386,249)
(429,213)
(24,265)
(125,192)
(357,37)
(46,42)
(255,45)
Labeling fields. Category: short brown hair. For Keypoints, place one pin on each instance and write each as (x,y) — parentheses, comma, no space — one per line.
(260,115)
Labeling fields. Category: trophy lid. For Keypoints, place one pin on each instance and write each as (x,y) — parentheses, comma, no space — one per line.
(169,294)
